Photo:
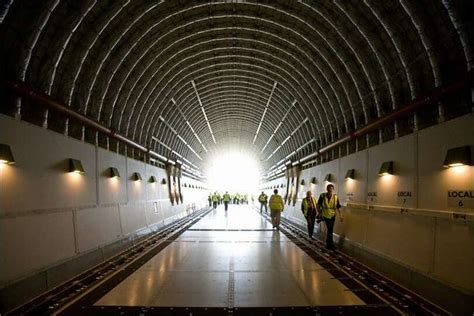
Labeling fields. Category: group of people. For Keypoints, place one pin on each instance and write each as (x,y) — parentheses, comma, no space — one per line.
(314,210)
(216,198)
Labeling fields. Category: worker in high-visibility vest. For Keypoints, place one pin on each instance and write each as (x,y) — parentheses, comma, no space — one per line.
(263,199)
(277,205)
(308,207)
(328,204)
(215,200)
(226,199)
(209,199)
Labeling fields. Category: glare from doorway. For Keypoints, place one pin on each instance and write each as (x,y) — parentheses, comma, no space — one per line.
(235,172)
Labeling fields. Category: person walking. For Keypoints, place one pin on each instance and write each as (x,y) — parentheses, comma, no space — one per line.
(308,207)
(328,204)
(263,199)
(209,198)
(215,200)
(226,198)
(276,207)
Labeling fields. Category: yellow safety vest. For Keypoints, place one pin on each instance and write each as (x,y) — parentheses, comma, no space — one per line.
(226,197)
(276,203)
(329,206)
(306,205)
(262,198)
(215,198)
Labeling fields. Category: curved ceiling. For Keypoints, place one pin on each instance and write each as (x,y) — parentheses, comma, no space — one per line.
(275,78)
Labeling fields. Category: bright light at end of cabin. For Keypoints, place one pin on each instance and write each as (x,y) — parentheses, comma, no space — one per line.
(234,172)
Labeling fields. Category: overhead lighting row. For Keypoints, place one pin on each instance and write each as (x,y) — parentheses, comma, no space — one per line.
(75,166)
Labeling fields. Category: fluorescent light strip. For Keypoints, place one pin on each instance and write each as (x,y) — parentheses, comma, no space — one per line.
(278,164)
(179,137)
(174,152)
(288,138)
(189,124)
(264,112)
(203,111)
(278,126)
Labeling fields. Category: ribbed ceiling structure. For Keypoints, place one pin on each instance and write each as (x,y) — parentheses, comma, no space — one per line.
(277,79)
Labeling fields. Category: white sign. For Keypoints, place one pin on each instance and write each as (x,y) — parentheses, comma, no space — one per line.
(461,200)
(372,197)
(405,198)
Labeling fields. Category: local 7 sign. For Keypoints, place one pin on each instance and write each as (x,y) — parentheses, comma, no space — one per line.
(461,199)
(405,198)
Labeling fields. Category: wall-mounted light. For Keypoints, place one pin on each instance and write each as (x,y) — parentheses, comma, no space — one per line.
(76,166)
(163,181)
(313,180)
(302,182)
(459,156)
(152,179)
(328,178)
(350,174)
(114,173)
(386,168)
(6,156)
(137,176)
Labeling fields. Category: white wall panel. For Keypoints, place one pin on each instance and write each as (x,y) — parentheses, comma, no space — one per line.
(29,243)
(454,253)
(39,179)
(434,180)
(132,217)
(97,227)
(111,190)
(353,190)
(402,152)
(38,198)
(136,189)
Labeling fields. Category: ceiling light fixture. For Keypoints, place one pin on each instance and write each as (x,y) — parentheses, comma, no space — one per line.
(6,156)
(459,156)
(386,168)
(76,166)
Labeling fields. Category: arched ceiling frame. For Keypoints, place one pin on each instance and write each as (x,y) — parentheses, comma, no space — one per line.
(347,71)
(247,64)
(241,107)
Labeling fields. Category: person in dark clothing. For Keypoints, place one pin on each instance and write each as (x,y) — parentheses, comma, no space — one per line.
(328,204)
(308,208)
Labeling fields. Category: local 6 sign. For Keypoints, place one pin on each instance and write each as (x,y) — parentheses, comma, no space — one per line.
(461,199)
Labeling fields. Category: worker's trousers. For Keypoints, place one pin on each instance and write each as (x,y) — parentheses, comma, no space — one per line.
(275,215)
(330,230)
(226,205)
(310,218)
(263,205)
